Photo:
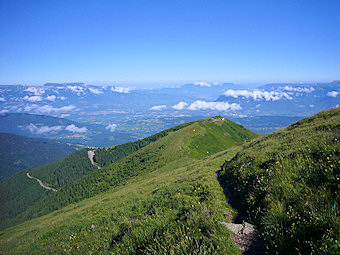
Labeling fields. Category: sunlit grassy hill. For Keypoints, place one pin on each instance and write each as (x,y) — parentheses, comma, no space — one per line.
(162,195)
(174,154)
(288,183)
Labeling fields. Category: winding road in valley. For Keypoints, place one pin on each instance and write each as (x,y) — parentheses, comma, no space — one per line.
(40,182)
(91,156)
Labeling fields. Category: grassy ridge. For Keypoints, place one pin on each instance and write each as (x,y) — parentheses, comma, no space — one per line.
(175,210)
(288,183)
(160,199)
(107,156)
(19,193)
(173,147)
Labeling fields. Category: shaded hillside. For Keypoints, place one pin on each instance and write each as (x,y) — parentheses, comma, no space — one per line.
(288,184)
(20,152)
(18,192)
(162,198)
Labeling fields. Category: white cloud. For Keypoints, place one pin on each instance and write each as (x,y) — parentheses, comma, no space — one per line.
(2,99)
(35,90)
(216,83)
(33,98)
(73,128)
(158,107)
(49,109)
(202,83)
(180,106)
(43,129)
(257,94)
(76,89)
(219,106)
(62,98)
(121,89)
(34,129)
(51,98)
(95,91)
(111,127)
(3,111)
(299,89)
(31,107)
(333,94)
(46,109)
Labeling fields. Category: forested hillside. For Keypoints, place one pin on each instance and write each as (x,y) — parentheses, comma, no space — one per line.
(288,184)
(20,152)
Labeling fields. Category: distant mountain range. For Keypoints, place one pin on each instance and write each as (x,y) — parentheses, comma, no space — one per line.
(108,115)
(88,102)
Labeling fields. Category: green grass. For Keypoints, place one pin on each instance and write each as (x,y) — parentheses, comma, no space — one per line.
(164,149)
(163,198)
(175,210)
(288,184)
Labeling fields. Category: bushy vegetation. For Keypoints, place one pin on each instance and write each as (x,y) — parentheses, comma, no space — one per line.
(288,184)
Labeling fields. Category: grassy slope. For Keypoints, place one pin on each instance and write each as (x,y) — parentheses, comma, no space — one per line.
(19,193)
(173,205)
(288,184)
(20,152)
(173,147)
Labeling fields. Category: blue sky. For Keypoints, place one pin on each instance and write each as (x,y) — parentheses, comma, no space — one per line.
(168,42)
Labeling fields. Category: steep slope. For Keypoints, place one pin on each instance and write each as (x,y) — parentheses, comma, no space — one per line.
(19,192)
(288,184)
(160,199)
(20,152)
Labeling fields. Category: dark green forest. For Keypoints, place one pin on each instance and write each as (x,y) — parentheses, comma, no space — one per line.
(20,152)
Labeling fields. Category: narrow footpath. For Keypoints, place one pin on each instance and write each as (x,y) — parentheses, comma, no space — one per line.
(245,234)
(91,156)
(40,182)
